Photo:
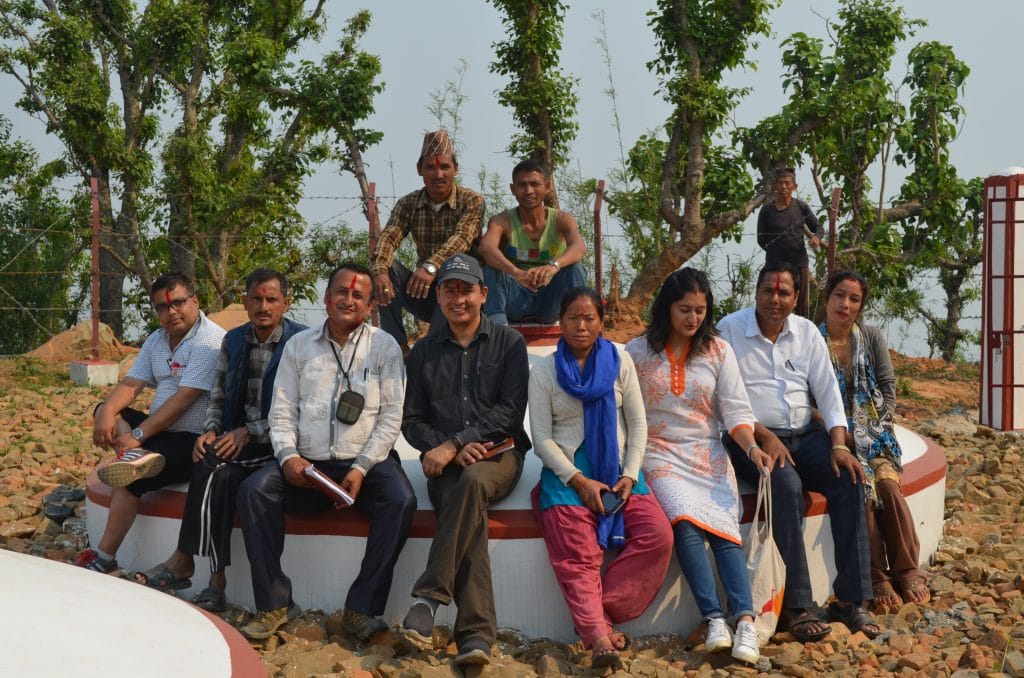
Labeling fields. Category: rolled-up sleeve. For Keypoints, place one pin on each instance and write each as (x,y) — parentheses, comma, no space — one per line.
(731,394)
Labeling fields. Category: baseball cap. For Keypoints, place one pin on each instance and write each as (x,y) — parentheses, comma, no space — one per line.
(461,267)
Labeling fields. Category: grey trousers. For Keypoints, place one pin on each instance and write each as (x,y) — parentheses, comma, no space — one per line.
(458,566)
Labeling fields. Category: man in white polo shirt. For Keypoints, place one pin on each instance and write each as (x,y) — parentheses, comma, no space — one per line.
(179,360)
(786,369)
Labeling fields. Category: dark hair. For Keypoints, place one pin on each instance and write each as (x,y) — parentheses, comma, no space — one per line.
(781,267)
(839,276)
(530,165)
(169,281)
(262,275)
(677,285)
(355,268)
(574,293)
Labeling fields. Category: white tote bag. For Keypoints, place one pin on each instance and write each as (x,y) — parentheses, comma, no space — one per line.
(765,566)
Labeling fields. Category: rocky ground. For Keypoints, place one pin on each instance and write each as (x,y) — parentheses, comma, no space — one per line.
(972,626)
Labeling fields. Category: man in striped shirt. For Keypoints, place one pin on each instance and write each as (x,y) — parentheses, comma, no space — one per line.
(235,439)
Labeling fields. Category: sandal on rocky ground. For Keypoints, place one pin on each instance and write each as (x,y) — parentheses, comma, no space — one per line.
(211,599)
(620,641)
(915,590)
(161,578)
(887,601)
(855,617)
(804,626)
(605,657)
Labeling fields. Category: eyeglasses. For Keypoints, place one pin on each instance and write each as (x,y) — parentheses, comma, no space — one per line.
(176,304)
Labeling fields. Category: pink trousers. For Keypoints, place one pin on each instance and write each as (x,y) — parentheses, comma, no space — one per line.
(629,583)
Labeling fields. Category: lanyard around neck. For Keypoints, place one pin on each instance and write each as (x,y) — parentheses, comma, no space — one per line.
(348,382)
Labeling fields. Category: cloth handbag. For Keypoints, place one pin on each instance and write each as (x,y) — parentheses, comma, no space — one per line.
(765,567)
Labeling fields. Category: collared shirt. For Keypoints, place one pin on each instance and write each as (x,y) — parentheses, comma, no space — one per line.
(192,363)
(259,356)
(309,382)
(782,377)
(455,227)
(472,394)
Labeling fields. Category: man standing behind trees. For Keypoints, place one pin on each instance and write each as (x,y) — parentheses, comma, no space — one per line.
(443,219)
(781,226)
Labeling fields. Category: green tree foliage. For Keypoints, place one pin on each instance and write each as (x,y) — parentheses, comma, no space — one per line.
(40,241)
(216,193)
(541,97)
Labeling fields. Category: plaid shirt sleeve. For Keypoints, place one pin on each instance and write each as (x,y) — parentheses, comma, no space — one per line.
(391,237)
(467,227)
(215,409)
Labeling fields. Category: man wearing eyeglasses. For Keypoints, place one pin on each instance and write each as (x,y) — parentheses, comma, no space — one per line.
(337,412)
(179,361)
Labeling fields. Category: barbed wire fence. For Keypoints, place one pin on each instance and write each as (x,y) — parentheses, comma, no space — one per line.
(613,241)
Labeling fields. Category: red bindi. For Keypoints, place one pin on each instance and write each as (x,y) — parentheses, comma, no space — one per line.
(167,296)
(437,161)
(777,285)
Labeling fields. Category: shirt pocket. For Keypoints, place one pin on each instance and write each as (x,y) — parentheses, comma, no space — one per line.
(488,381)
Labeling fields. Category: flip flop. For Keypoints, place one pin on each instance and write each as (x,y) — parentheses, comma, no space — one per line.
(605,657)
(915,590)
(855,617)
(798,623)
(211,599)
(159,577)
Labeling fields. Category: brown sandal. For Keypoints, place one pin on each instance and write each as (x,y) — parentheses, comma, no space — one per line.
(802,623)
(886,600)
(915,590)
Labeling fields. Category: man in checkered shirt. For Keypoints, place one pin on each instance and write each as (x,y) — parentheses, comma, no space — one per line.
(179,360)
(443,219)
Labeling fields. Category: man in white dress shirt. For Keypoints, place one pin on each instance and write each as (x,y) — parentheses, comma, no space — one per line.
(337,408)
(787,372)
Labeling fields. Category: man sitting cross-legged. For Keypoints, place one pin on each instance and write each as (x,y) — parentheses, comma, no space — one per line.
(155,450)
(237,428)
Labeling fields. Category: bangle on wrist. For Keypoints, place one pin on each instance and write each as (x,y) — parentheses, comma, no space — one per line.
(754,446)
(840,447)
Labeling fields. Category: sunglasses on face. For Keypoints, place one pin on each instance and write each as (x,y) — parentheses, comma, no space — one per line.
(176,304)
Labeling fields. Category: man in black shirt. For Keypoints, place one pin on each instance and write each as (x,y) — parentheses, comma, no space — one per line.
(466,389)
(781,226)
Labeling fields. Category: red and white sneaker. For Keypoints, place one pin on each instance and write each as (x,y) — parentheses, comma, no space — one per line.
(131,466)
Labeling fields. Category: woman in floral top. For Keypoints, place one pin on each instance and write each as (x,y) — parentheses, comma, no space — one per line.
(691,384)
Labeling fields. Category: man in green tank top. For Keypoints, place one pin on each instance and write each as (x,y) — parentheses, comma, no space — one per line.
(531,253)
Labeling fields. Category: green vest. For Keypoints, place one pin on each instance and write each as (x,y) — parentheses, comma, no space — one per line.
(526,253)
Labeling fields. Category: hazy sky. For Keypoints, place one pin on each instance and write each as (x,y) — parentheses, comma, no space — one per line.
(422,44)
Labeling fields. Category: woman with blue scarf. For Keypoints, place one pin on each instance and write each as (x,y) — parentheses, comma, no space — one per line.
(589,429)
(867,383)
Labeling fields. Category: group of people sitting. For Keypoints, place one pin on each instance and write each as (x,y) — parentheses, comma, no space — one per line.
(640,445)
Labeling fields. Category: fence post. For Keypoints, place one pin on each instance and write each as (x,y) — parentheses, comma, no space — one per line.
(94,182)
(833,217)
(598,265)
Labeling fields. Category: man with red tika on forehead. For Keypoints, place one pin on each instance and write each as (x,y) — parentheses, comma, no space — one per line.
(787,372)
(443,219)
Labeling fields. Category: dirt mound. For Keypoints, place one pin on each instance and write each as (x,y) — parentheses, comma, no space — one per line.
(76,344)
(231,317)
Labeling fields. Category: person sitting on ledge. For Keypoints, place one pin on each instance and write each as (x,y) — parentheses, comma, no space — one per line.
(154,451)
(785,367)
(337,409)
(867,383)
(531,252)
(237,428)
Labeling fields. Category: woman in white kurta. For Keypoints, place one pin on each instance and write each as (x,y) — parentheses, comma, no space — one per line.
(691,385)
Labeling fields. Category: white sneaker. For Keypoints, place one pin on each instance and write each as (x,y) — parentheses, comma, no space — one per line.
(744,645)
(719,636)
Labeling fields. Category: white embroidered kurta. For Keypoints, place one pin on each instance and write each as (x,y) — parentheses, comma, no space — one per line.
(686,464)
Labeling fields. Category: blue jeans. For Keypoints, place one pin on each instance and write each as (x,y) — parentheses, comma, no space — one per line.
(732,570)
(507,300)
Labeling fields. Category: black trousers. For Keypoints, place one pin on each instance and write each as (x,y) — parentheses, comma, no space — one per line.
(210,504)
(811,449)
(425,310)
(175,446)
(385,496)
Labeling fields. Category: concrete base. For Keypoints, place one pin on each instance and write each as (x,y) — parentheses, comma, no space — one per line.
(94,372)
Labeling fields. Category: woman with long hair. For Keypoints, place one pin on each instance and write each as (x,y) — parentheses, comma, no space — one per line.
(867,382)
(588,428)
(691,384)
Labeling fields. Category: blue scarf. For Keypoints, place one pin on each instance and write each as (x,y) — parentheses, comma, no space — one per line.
(595,387)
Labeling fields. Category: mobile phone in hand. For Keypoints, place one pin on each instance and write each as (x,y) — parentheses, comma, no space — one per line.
(613,503)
